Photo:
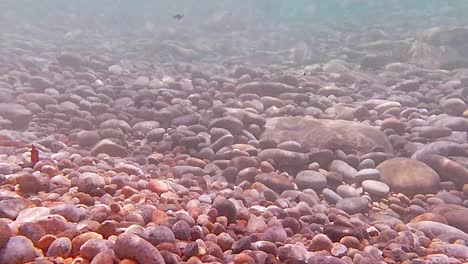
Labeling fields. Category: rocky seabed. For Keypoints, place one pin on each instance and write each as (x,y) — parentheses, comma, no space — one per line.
(361,159)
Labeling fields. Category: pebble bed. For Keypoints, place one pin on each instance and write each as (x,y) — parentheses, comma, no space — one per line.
(196,162)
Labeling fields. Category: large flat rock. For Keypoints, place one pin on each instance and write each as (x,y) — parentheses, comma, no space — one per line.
(351,137)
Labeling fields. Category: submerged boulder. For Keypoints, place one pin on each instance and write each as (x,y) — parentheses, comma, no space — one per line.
(437,156)
(409,176)
(456,215)
(439,230)
(350,137)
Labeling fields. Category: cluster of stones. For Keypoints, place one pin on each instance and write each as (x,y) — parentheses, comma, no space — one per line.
(210,164)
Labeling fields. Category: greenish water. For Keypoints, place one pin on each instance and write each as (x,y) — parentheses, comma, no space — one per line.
(302,12)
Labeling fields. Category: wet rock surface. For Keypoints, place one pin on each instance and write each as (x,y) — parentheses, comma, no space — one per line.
(165,146)
(409,176)
(347,136)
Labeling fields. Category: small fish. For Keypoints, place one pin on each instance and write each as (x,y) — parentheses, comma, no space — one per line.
(34,155)
(178,16)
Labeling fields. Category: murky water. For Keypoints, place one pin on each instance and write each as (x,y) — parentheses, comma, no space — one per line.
(265,131)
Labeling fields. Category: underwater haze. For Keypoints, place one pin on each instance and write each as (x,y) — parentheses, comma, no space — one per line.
(222,131)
